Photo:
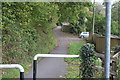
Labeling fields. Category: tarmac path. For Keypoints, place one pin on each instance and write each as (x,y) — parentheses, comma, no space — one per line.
(55,67)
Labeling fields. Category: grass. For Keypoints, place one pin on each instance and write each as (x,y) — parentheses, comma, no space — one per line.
(13,73)
(73,71)
(73,63)
(74,50)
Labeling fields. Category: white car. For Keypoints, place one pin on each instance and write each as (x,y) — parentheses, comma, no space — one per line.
(84,35)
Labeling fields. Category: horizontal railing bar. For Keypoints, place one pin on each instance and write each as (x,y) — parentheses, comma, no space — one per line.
(55,55)
(18,66)
(48,55)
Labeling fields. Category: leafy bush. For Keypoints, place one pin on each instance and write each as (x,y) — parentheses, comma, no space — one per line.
(116,66)
(21,44)
(87,61)
(115,28)
(76,65)
(100,25)
(116,49)
(20,24)
(26,31)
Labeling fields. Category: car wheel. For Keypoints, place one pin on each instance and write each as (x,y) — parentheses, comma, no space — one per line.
(82,36)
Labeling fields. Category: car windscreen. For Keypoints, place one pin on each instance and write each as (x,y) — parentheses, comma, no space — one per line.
(85,32)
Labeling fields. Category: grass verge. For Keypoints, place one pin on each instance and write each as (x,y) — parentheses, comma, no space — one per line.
(73,63)
(74,50)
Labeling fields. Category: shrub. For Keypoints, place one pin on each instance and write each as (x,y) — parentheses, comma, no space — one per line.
(87,61)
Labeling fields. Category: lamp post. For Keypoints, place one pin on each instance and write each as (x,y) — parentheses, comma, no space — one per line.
(107,39)
(93,19)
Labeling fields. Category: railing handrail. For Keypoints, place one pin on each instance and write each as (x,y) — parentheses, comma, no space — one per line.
(55,55)
(18,66)
(49,55)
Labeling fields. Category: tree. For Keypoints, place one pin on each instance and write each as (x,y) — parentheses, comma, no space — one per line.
(75,13)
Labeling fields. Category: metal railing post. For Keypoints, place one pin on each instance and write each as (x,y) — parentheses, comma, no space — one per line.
(34,69)
(48,55)
(21,75)
(21,69)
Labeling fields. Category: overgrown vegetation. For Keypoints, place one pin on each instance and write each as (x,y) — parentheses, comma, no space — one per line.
(80,15)
(83,22)
(26,31)
(87,59)
(73,63)
(75,13)
(79,67)
(115,66)
(27,28)
(115,15)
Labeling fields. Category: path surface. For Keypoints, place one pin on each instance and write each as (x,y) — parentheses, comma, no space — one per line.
(55,67)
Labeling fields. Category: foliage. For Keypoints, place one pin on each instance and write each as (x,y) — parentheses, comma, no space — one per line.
(100,25)
(79,15)
(74,50)
(89,24)
(15,12)
(116,49)
(19,41)
(35,14)
(22,46)
(73,63)
(73,71)
(26,31)
(20,35)
(74,13)
(46,13)
(27,27)
(87,61)
(115,28)
(115,11)
(116,66)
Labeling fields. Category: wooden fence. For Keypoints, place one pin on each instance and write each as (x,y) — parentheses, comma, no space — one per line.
(115,58)
(100,42)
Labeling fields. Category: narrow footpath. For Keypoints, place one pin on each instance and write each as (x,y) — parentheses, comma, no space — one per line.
(55,67)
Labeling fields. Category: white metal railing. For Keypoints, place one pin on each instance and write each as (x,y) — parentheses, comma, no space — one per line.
(48,55)
(18,66)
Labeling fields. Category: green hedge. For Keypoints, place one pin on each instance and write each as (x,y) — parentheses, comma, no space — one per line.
(20,44)
(26,31)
